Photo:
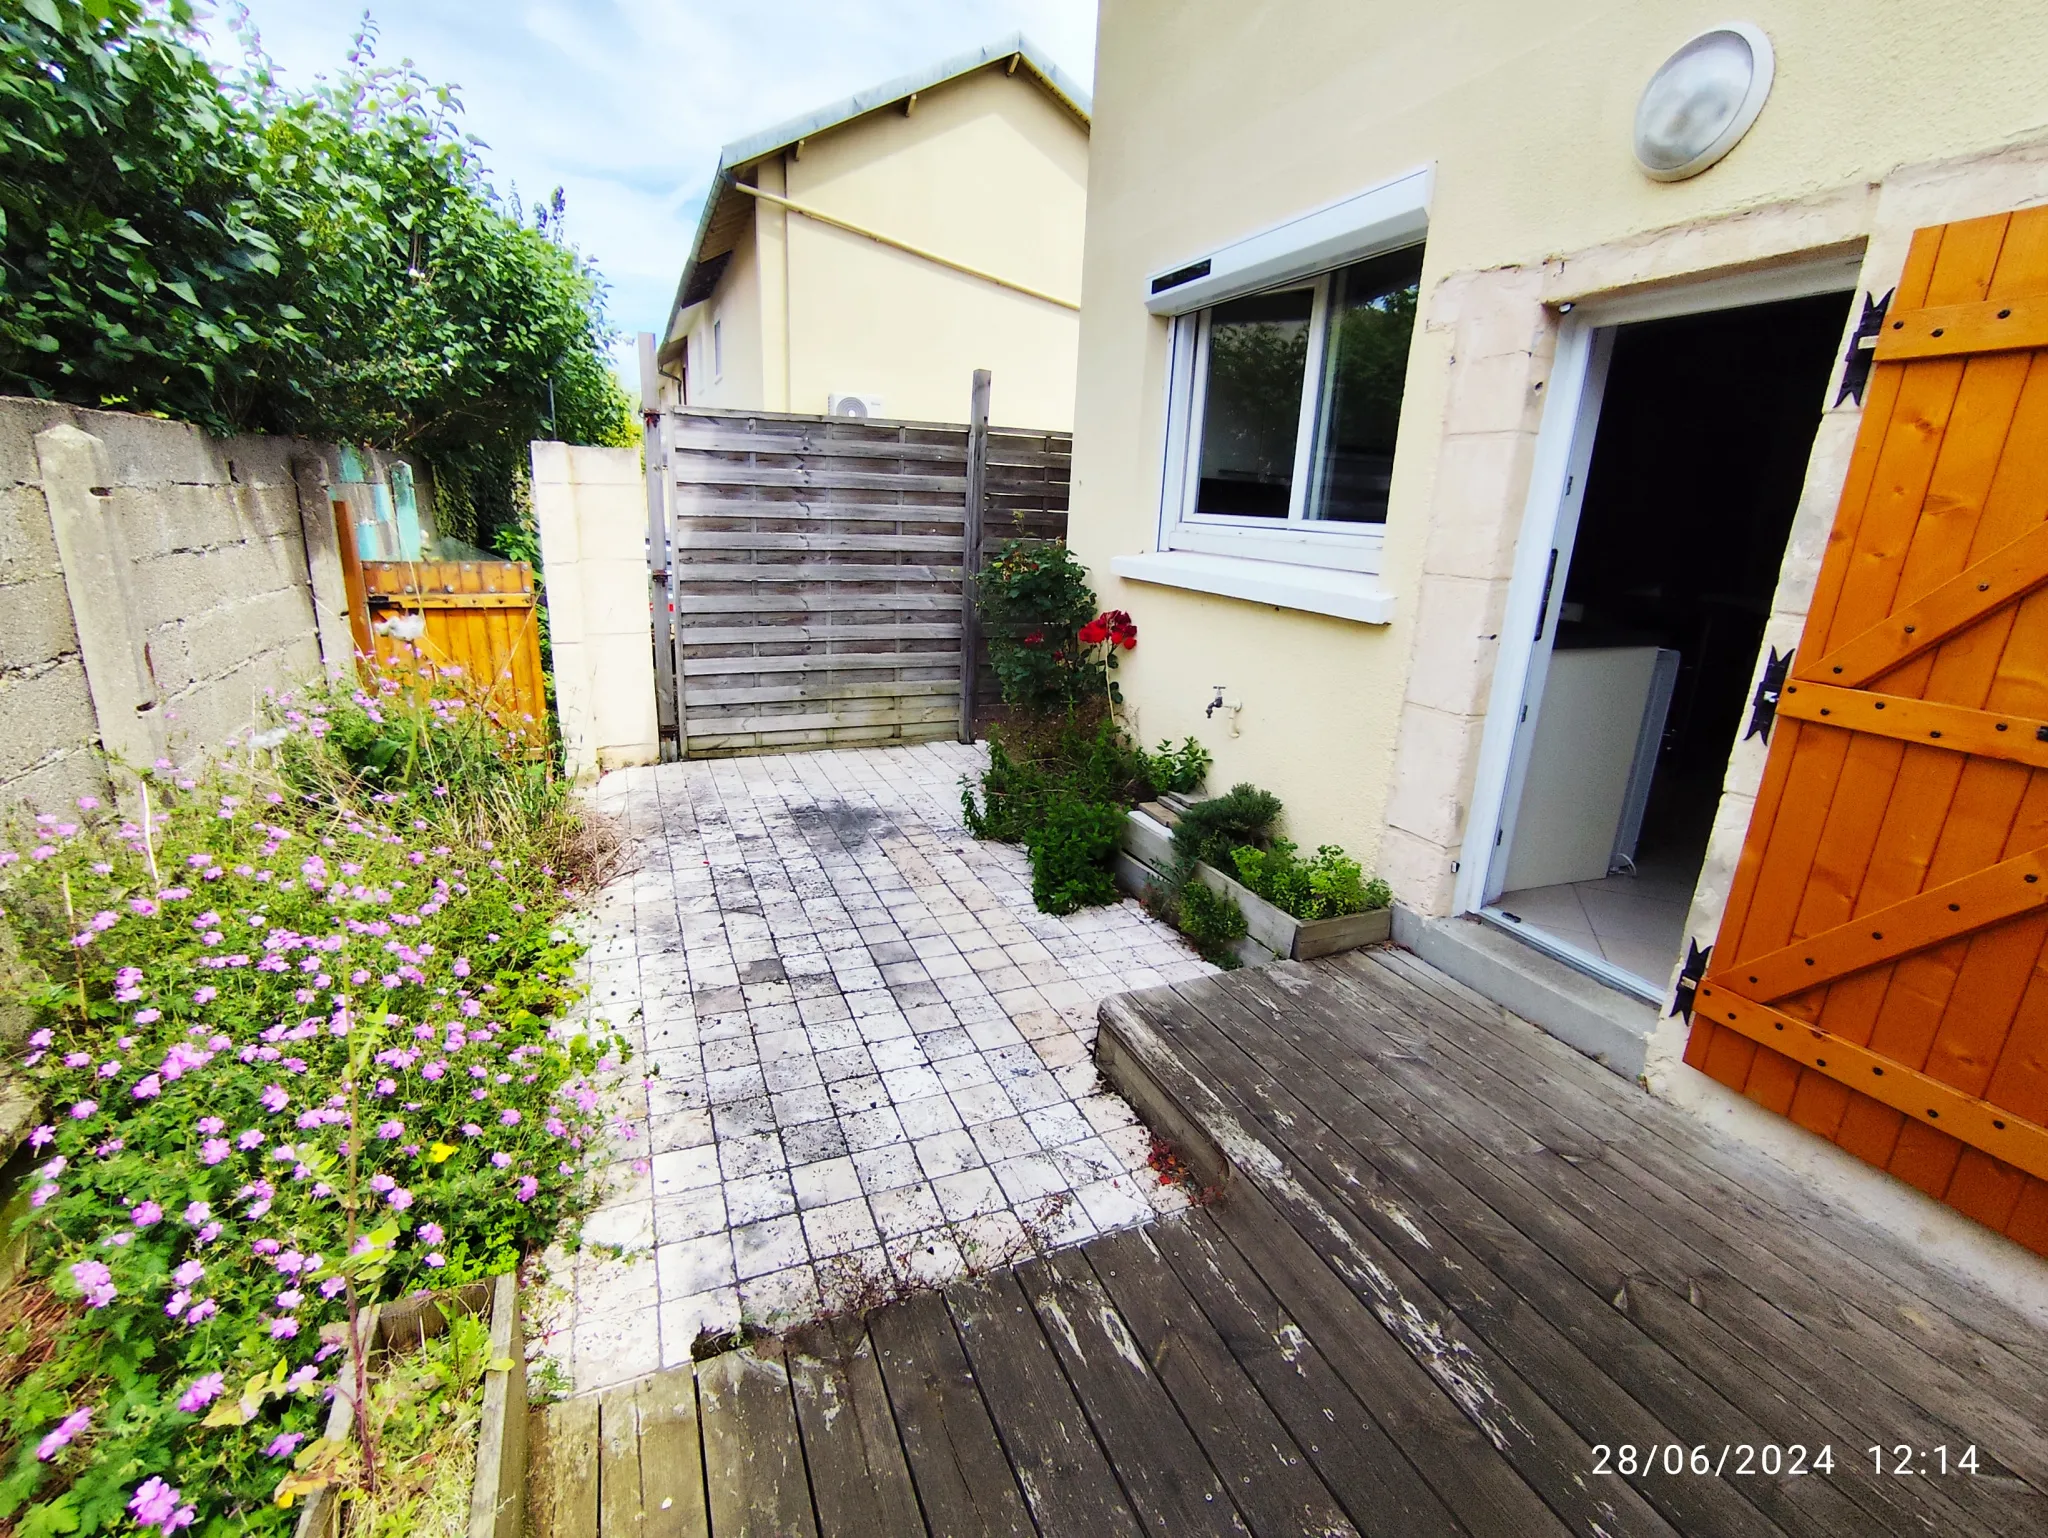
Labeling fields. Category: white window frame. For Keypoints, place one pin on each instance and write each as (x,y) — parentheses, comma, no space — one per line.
(1298,539)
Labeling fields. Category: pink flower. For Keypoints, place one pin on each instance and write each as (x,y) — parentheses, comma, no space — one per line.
(202,1311)
(42,1137)
(198,1212)
(148,1016)
(252,1138)
(60,1438)
(211,1124)
(527,1188)
(502,1160)
(285,1445)
(508,1118)
(431,1233)
(204,995)
(290,1298)
(42,1194)
(213,1150)
(146,1213)
(95,1281)
(190,1272)
(284,1329)
(202,1393)
(400,1198)
(274,1098)
(155,1504)
(148,1087)
(83,1109)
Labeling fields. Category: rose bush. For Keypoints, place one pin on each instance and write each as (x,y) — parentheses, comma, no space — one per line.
(285,1044)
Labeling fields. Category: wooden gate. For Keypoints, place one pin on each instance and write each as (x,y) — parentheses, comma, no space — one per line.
(815,573)
(477,618)
(1879,974)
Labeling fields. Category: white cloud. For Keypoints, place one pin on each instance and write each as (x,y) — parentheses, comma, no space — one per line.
(624,103)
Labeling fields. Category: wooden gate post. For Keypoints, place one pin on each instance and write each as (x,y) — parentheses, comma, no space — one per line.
(970,550)
(667,697)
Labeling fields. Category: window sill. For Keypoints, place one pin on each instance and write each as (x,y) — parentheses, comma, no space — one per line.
(1313,590)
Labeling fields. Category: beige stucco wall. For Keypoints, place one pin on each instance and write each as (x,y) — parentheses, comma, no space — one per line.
(591,508)
(1213,121)
(988,170)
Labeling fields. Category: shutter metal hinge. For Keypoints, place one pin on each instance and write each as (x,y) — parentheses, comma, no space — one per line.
(1689,977)
(1764,707)
(1862,349)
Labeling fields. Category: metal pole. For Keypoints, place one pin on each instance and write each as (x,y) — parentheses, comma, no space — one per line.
(970,551)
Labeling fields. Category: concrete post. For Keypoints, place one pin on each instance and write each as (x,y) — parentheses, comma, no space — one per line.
(324,565)
(76,476)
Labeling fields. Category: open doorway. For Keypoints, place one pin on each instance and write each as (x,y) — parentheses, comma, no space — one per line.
(1661,580)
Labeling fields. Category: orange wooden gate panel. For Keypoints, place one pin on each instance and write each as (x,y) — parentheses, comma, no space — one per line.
(1879,975)
(480,617)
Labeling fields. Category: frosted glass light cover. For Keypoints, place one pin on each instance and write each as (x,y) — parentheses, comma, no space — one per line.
(1702,100)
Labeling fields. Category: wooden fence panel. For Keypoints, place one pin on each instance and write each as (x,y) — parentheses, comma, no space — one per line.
(480,618)
(816,571)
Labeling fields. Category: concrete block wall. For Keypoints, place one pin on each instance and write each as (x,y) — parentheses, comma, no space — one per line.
(154,583)
(591,506)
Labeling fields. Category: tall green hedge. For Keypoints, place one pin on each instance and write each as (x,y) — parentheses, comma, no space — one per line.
(332,262)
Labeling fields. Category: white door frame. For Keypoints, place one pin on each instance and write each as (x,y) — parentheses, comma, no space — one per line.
(1564,443)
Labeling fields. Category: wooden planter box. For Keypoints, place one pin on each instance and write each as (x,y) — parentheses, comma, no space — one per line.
(1270,934)
(497,1501)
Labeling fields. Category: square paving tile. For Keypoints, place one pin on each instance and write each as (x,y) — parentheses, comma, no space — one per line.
(862,1057)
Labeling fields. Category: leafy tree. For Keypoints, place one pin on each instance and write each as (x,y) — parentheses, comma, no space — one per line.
(332,262)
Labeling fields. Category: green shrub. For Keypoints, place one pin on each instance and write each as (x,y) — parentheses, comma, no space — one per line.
(1033,766)
(1325,887)
(1033,598)
(1178,769)
(331,262)
(1209,830)
(224,984)
(1212,920)
(1071,850)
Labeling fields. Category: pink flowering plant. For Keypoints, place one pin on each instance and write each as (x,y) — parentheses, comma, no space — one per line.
(293,1055)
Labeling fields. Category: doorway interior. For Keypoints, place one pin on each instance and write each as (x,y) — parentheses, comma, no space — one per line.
(1693,439)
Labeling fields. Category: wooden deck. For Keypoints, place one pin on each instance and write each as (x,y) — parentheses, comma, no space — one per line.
(1452,1262)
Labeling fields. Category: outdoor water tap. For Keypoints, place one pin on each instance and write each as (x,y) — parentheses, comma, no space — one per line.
(1219,703)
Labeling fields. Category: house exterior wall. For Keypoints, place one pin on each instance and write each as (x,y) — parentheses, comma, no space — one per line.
(988,170)
(1215,121)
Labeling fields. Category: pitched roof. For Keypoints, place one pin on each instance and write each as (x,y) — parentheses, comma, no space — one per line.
(701,273)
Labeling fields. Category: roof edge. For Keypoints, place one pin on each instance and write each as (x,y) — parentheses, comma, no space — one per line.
(767,141)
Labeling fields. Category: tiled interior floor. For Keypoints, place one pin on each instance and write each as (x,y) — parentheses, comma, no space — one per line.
(1636,922)
(863,1058)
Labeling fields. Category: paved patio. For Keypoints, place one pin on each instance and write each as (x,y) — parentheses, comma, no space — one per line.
(863,1056)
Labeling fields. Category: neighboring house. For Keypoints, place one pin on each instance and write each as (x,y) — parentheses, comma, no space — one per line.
(1464,475)
(868,257)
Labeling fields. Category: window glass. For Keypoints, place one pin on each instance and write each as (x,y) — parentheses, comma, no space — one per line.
(1365,361)
(1258,358)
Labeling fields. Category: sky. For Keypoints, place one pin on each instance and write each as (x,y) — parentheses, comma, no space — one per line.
(624,103)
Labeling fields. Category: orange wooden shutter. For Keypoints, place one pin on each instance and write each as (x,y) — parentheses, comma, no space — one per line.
(1879,975)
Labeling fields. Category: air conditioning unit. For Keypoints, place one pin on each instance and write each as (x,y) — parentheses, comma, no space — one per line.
(853,405)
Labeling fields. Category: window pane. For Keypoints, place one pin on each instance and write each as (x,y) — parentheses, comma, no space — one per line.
(1372,315)
(1258,353)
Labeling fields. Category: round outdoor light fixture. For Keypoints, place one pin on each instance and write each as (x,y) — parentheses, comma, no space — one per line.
(1702,100)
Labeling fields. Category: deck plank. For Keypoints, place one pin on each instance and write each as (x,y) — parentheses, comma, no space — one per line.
(671,1458)
(562,1500)
(1355,1457)
(1268,1476)
(1760,1357)
(1972,1333)
(1169,1479)
(1298,1048)
(755,1480)
(964,1482)
(860,1484)
(1543,1446)
(1065,1476)
(618,1460)
(1917,1341)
